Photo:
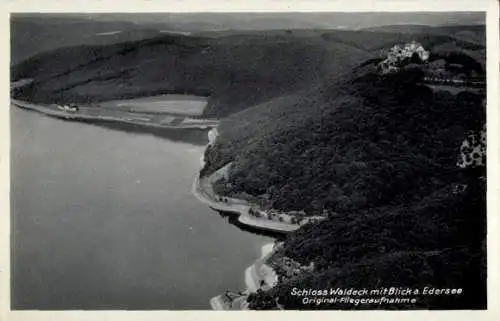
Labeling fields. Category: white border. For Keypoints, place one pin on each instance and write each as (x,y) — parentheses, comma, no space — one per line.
(491,6)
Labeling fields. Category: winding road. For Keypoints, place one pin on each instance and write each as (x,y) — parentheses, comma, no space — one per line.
(202,189)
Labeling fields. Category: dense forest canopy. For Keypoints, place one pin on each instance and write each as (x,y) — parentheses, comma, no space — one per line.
(364,144)
(437,241)
(377,153)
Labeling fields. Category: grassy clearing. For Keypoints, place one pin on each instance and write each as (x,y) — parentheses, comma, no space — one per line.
(171,104)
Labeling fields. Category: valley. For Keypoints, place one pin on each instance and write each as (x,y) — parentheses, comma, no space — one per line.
(345,142)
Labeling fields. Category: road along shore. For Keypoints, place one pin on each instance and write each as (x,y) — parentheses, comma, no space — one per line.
(203,192)
(257,276)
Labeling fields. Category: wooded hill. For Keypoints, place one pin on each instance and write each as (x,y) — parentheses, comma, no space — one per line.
(378,153)
(235,71)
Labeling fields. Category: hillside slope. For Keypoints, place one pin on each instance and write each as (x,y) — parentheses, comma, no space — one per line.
(32,34)
(236,72)
(436,241)
(377,154)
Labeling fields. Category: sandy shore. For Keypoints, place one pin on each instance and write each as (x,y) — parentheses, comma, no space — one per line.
(260,273)
(257,276)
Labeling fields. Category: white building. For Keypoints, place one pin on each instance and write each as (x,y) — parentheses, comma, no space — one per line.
(70,108)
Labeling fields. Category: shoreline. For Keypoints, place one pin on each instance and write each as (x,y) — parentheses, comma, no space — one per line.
(241,210)
(253,279)
(83,117)
(253,274)
(202,189)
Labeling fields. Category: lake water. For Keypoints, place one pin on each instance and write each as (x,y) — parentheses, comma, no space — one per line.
(105,219)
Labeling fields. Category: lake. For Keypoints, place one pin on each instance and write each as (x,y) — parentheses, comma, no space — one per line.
(104,219)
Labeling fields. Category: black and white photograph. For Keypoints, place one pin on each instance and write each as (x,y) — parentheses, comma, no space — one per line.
(248,161)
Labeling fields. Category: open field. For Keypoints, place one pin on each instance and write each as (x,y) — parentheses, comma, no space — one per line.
(172,104)
(86,113)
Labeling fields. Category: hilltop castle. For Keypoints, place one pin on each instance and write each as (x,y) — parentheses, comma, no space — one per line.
(401,54)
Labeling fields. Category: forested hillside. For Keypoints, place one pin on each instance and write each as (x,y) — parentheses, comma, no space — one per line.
(236,71)
(377,153)
(351,144)
(435,240)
